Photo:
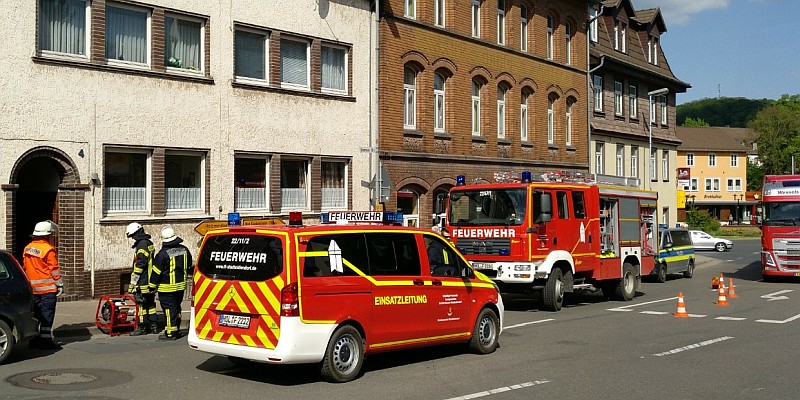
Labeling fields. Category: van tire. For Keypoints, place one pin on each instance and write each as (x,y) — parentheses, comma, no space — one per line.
(485,333)
(7,341)
(626,288)
(689,273)
(553,296)
(661,277)
(344,356)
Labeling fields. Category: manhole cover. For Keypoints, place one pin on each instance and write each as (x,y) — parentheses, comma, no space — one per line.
(64,378)
(70,379)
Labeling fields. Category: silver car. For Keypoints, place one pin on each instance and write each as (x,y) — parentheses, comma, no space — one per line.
(704,241)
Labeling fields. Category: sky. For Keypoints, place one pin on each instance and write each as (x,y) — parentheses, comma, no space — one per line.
(731,48)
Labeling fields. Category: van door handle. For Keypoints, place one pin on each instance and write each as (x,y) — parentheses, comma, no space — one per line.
(555,241)
(418,282)
(436,283)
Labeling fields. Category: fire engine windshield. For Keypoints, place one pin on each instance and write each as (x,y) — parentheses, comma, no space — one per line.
(784,213)
(242,257)
(487,207)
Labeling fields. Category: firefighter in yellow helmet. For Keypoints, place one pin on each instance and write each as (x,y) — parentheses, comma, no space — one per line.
(40,262)
(140,276)
(172,266)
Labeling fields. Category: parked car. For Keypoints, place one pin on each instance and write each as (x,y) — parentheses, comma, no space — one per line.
(704,241)
(675,254)
(17,323)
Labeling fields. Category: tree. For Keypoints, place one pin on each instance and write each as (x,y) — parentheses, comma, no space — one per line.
(701,220)
(755,174)
(725,111)
(778,128)
(699,122)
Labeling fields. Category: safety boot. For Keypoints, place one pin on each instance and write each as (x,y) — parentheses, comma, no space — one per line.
(140,330)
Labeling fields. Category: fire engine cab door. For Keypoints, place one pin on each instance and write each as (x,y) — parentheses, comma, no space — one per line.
(449,295)
(577,226)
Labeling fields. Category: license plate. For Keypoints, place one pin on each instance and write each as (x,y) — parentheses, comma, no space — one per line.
(481,265)
(797,274)
(237,321)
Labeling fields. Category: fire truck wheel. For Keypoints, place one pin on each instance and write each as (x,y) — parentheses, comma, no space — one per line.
(553,295)
(7,341)
(662,273)
(689,273)
(626,288)
(484,335)
(344,356)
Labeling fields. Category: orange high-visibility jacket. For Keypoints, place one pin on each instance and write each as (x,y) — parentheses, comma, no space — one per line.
(41,266)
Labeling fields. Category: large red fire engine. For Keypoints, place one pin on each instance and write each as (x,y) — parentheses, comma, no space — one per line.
(557,233)
(780,226)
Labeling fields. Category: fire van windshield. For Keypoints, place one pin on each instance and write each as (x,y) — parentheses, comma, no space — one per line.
(241,257)
(487,207)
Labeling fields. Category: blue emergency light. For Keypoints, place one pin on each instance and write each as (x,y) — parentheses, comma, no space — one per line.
(234,219)
(393,217)
(461,180)
(526,176)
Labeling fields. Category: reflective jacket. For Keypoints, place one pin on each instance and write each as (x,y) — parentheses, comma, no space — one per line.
(41,266)
(142,261)
(171,267)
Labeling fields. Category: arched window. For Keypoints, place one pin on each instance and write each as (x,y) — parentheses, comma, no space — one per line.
(551,26)
(551,101)
(410,98)
(501,112)
(438,102)
(568,121)
(476,107)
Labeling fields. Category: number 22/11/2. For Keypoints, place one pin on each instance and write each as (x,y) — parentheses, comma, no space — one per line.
(237,240)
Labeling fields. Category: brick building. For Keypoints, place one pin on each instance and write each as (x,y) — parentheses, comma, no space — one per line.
(475,87)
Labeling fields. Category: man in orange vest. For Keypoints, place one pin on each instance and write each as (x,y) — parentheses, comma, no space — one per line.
(41,266)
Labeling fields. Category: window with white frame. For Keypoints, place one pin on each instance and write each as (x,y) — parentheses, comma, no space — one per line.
(690,159)
(635,161)
(593,15)
(568,43)
(64,27)
(712,160)
(620,160)
(523,118)
(734,160)
(633,101)
(294,187)
(439,13)
(501,112)
(126,181)
(476,108)
(618,98)
(568,121)
(623,37)
(476,18)
(650,49)
(551,120)
(655,51)
(334,69)
(501,21)
(523,27)
(183,181)
(652,110)
(734,185)
(127,34)
(712,184)
(664,110)
(334,188)
(599,147)
(598,92)
(250,183)
(693,182)
(665,165)
(653,171)
(616,35)
(551,27)
(250,55)
(410,96)
(183,47)
(438,102)
(411,8)
(295,71)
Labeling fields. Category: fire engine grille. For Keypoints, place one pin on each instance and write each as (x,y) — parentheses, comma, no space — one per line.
(484,246)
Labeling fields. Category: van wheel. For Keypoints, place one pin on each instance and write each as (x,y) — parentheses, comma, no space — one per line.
(662,273)
(553,295)
(626,288)
(485,333)
(689,273)
(344,355)
(7,341)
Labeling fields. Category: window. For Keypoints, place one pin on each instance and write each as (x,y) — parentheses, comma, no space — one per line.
(354,250)
(294,63)
(501,21)
(620,160)
(250,183)
(623,33)
(501,112)
(551,120)
(183,47)
(578,204)
(652,110)
(563,205)
(476,18)
(439,13)
(183,181)
(712,184)
(438,102)
(690,159)
(294,191)
(693,182)
(250,50)
(635,161)
(734,160)
(650,49)
(568,43)
(593,15)
(550,32)
(410,96)
(393,254)
(598,158)
(655,51)
(127,35)
(523,27)
(653,172)
(633,104)
(598,93)
(126,181)
(734,185)
(618,98)
(569,122)
(664,165)
(664,119)
(712,160)
(523,118)
(334,69)
(616,35)
(63,27)
(334,193)
(476,108)
(411,8)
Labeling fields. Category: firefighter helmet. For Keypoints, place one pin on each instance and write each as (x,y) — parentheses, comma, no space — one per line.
(43,228)
(168,234)
(132,228)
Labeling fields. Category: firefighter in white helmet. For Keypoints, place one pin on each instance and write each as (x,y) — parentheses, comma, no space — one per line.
(144,251)
(40,262)
(172,267)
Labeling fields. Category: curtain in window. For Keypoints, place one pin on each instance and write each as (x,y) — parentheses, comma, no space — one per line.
(62,26)
(125,199)
(250,55)
(293,184)
(179,198)
(333,187)
(182,44)
(250,197)
(126,35)
(333,68)
(294,62)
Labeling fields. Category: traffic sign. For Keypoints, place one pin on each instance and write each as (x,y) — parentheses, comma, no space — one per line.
(205,226)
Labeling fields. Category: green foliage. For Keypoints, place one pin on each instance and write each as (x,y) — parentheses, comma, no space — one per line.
(689,121)
(778,129)
(725,111)
(701,220)
(755,174)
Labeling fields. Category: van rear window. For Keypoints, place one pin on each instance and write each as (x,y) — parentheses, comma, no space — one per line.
(241,257)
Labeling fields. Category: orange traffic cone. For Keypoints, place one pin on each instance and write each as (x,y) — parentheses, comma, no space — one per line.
(721,300)
(731,292)
(681,313)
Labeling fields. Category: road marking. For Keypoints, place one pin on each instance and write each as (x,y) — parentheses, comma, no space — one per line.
(625,308)
(729,260)
(693,346)
(731,318)
(654,312)
(500,390)
(772,321)
(776,295)
(527,323)
(697,315)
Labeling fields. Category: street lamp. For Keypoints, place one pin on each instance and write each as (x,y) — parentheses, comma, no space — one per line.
(691,200)
(738,198)
(651,164)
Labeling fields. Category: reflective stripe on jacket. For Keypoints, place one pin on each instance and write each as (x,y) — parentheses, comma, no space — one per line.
(171,268)
(142,262)
(40,262)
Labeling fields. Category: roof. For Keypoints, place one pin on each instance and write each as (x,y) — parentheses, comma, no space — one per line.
(651,16)
(716,139)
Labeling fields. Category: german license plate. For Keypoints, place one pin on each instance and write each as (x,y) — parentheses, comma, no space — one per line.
(237,321)
(481,265)
(797,274)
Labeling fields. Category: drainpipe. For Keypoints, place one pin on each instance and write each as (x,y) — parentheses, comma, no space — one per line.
(589,82)
(374,116)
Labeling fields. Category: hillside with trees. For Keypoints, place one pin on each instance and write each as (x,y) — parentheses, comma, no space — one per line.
(725,111)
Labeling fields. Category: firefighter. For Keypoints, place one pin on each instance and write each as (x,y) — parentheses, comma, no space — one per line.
(142,268)
(171,268)
(40,262)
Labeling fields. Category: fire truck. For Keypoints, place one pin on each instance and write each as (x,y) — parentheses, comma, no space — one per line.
(780,226)
(557,233)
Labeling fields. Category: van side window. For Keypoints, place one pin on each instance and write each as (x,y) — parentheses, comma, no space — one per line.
(681,238)
(578,206)
(441,258)
(393,254)
(563,208)
(354,251)
(5,265)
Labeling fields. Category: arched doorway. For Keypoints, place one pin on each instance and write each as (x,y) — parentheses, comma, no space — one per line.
(439,205)
(408,204)
(36,198)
